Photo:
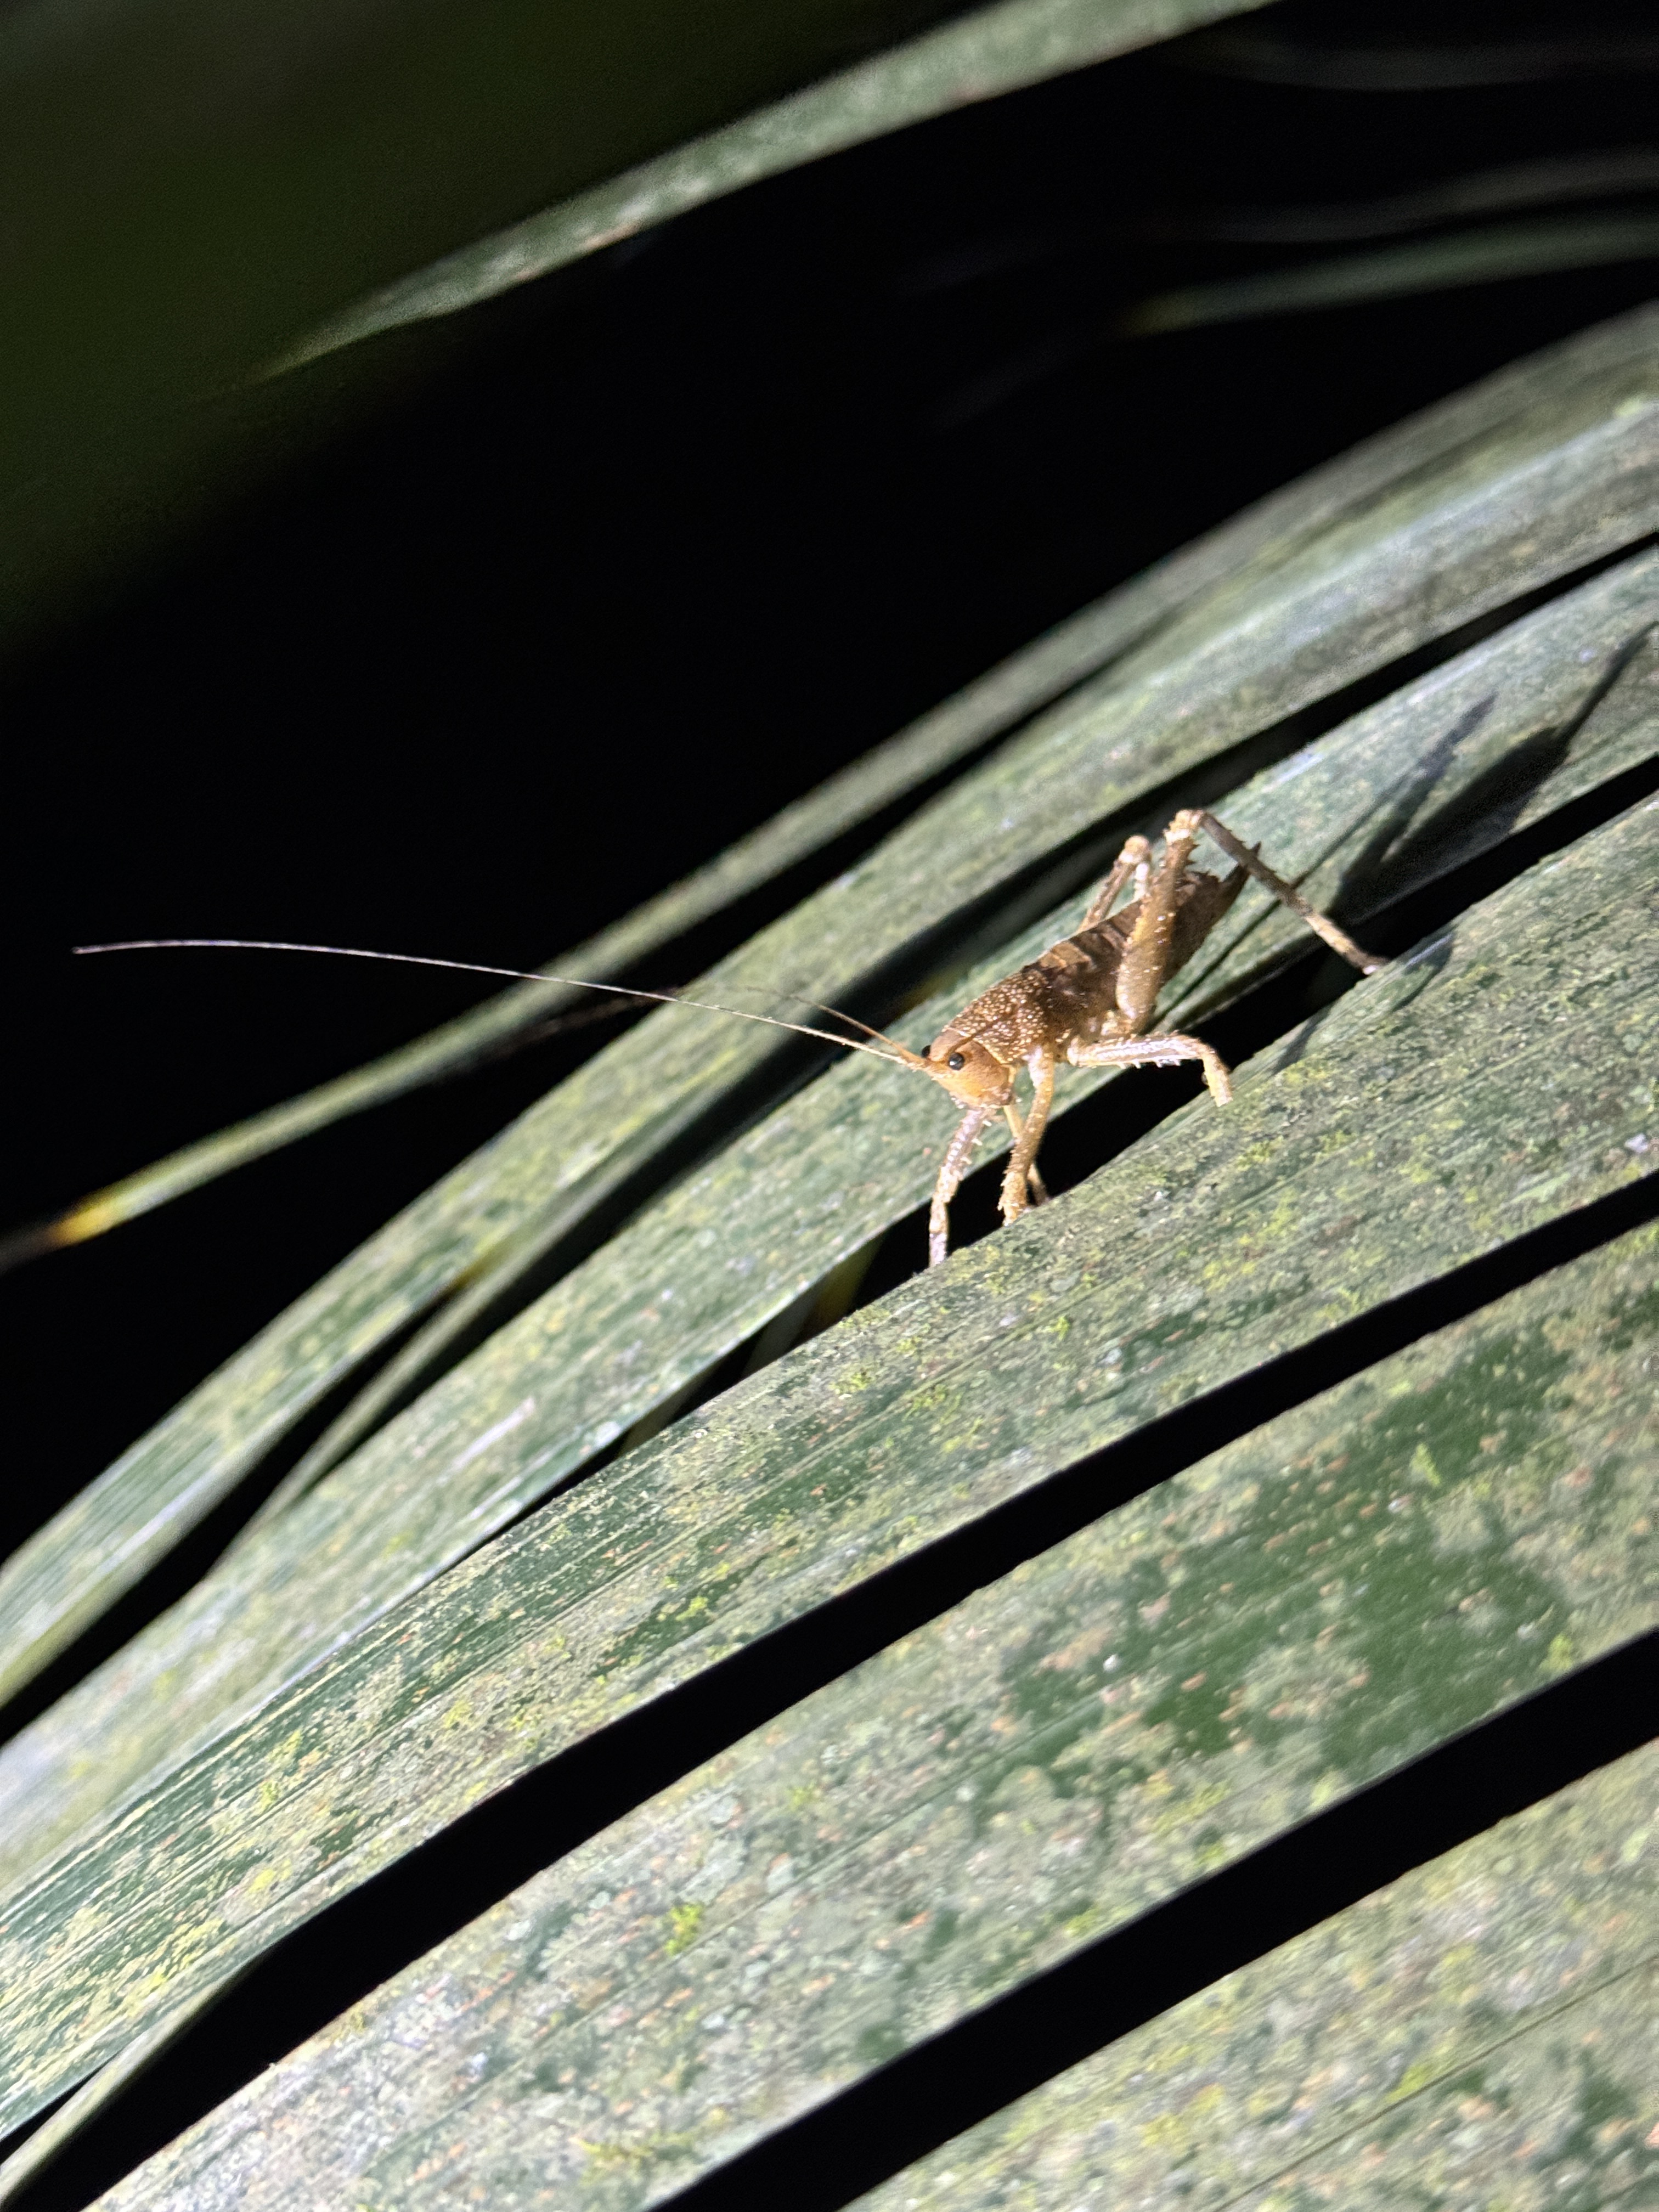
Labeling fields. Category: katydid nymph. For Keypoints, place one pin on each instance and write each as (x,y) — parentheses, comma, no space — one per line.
(1091,1001)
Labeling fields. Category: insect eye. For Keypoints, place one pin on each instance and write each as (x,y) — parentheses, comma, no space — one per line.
(955,1063)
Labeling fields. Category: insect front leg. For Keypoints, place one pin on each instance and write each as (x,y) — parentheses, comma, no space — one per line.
(1034,1182)
(951,1169)
(1250,856)
(1022,1161)
(1164,1050)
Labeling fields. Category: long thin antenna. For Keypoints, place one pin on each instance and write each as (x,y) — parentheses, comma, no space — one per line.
(796,999)
(475,968)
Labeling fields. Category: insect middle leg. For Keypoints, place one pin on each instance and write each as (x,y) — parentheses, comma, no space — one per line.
(1166,1049)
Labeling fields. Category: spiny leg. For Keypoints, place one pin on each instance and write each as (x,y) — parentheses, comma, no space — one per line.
(1133,861)
(952,1169)
(1021,1160)
(1250,856)
(1164,1049)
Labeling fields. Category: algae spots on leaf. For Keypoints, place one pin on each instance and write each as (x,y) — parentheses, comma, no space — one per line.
(942,1928)
(1199,1714)
(685,1925)
(880,2043)
(337,1840)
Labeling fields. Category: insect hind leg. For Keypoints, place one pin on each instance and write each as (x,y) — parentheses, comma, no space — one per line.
(1249,857)
(1147,957)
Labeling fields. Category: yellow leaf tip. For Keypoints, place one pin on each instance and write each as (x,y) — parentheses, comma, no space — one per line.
(90,1218)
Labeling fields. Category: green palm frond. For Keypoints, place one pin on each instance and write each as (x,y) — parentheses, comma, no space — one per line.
(1471,1093)
(384,1650)
(1429,528)
(985,52)
(746,1660)
(188,197)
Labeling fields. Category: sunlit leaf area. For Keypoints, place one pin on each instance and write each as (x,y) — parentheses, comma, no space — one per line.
(570,1633)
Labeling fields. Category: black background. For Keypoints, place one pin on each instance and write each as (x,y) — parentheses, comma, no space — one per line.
(640,554)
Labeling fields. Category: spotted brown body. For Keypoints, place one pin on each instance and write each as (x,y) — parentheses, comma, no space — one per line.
(1091,1000)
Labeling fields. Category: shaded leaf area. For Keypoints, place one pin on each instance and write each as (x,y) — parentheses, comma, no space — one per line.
(1566,699)
(1253,1639)
(1601,173)
(940,740)
(42,2145)
(186,196)
(1285,55)
(1492,254)
(1482,2031)
(987,708)
(1499,1077)
(993,50)
(1521,482)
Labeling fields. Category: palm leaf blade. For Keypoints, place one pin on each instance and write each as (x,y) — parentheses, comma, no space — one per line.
(991,50)
(1563,475)
(969,1809)
(1517,729)
(1487,1084)
(1517,1960)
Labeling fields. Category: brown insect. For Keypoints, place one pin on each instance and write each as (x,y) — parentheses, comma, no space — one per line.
(1090,1001)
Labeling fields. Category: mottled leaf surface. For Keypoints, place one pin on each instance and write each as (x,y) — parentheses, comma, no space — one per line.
(1499,1076)
(1529,720)
(1484,2030)
(1245,1643)
(1556,468)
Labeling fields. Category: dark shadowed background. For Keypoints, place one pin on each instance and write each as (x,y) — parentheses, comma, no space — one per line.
(629,560)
